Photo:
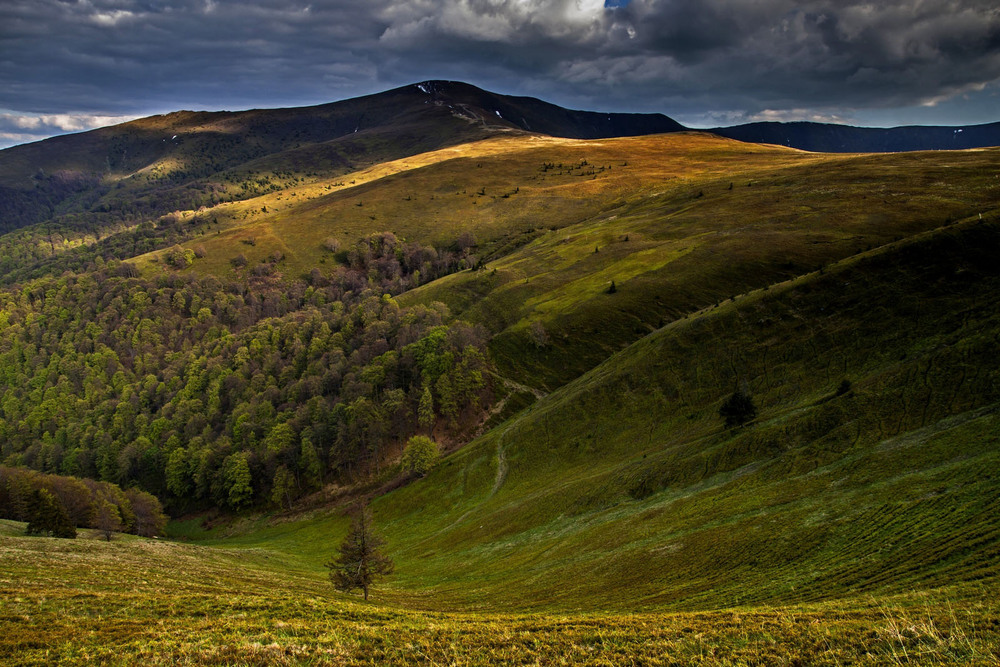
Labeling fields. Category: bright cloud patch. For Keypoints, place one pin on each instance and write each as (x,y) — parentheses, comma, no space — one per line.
(18,128)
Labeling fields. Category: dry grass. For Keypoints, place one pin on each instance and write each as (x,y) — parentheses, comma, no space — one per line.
(137,602)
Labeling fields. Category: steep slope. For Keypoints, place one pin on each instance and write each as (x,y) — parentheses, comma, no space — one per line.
(624,490)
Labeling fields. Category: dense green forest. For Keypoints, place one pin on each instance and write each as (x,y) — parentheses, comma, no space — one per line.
(207,392)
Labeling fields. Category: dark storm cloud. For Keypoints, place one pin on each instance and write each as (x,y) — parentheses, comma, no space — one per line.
(721,59)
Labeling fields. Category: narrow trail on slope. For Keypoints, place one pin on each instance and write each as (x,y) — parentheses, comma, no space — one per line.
(513,387)
(501,469)
(517,386)
(501,473)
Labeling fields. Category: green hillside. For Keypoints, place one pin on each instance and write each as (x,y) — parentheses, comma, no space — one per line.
(846,524)
(623,490)
(566,317)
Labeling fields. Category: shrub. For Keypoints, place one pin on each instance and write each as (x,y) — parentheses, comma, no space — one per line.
(179,257)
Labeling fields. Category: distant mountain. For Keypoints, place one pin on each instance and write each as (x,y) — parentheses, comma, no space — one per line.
(86,182)
(173,161)
(417,118)
(534,115)
(828,138)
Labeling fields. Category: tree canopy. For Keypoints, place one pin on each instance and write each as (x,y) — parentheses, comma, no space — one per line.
(419,455)
(40,499)
(200,391)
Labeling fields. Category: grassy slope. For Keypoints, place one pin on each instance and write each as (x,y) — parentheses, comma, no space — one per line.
(625,479)
(139,601)
(622,491)
(854,528)
(691,239)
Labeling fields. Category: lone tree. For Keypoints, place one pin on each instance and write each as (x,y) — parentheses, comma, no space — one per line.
(361,561)
(106,518)
(738,409)
(419,455)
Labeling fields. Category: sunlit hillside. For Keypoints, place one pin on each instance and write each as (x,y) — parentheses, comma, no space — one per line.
(678,222)
(255,317)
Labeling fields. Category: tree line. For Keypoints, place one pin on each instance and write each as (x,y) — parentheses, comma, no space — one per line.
(57,504)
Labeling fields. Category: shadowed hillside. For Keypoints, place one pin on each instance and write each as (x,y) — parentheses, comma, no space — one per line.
(869,469)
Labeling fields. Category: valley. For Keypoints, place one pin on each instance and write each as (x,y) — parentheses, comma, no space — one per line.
(573,312)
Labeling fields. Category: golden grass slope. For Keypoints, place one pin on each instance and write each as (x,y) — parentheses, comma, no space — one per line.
(139,602)
(494,188)
(678,222)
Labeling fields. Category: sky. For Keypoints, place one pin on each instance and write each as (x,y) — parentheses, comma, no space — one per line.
(71,65)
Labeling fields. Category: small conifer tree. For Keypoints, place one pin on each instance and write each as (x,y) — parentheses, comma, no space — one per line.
(425,410)
(738,409)
(361,561)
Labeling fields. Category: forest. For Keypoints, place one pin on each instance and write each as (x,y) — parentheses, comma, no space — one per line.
(211,393)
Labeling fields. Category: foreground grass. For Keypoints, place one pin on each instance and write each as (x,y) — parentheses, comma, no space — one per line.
(157,602)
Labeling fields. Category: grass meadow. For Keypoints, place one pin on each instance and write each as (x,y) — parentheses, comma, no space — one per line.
(137,601)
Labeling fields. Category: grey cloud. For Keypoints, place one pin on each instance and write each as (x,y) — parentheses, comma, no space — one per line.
(717,58)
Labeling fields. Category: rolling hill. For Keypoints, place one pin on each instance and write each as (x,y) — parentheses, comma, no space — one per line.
(274,291)
(181,157)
